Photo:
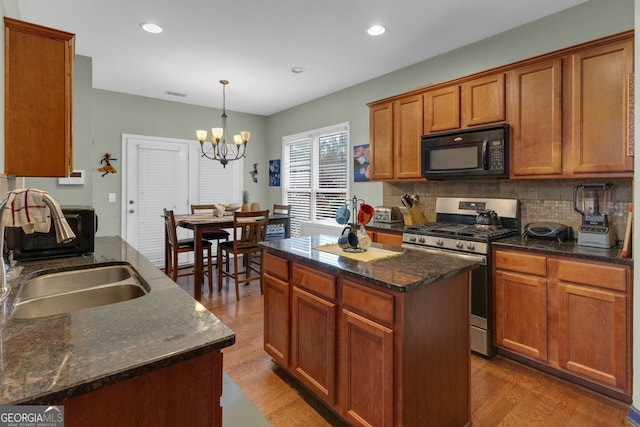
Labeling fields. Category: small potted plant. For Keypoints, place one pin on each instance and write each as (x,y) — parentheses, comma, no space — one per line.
(245,201)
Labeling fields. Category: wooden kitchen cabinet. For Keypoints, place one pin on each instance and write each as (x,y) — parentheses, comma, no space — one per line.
(573,316)
(601,79)
(535,116)
(185,393)
(369,352)
(367,356)
(472,102)
(385,238)
(381,141)
(275,282)
(521,303)
(442,109)
(395,131)
(38,71)
(592,327)
(313,331)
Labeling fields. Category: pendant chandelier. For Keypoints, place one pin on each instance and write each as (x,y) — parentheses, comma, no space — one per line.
(219,149)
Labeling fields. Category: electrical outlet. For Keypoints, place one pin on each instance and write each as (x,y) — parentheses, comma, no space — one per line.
(112,197)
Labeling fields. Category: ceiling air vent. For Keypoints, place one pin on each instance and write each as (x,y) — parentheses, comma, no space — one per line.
(171,93)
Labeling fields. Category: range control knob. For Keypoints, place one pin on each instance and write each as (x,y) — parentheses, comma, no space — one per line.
(439,242)
(471,246)
(412,238)
(459,245)
(422,239)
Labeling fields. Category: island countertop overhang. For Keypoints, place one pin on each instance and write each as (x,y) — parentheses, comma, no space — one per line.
(403,272)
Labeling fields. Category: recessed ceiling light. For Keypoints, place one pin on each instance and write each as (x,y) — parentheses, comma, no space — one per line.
(297,70)
(376,30)
(151,28)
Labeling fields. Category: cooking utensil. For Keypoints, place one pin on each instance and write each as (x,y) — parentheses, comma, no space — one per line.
(627,233)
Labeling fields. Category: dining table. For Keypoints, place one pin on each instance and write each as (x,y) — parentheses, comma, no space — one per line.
(201,223)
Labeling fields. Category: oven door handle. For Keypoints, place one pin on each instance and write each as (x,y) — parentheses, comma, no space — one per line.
(481,259)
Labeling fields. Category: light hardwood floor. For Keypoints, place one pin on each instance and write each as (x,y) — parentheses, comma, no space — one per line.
(503,392)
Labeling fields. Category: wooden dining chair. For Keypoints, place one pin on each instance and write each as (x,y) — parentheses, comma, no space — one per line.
(249,228)
(176,246)
(216,235)
(276,231)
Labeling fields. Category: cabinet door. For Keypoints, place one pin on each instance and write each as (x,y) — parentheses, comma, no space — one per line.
(483,100)
(276,318)
(442,109)
(366,371)
(381,141)
(38,112)
(593,306)
(407,130)
(521,313)
(313,343)
(535,115)
(592,333)
(600,81)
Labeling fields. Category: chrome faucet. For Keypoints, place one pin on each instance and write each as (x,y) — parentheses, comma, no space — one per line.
(64,234)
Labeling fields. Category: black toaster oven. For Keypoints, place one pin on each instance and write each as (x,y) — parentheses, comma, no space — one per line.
(82,220)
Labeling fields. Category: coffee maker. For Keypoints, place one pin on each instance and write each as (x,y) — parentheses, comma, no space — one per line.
(592,202)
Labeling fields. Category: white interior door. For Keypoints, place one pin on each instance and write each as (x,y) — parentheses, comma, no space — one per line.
(157,177)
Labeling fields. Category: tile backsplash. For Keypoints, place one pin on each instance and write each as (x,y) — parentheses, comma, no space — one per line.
(540,200)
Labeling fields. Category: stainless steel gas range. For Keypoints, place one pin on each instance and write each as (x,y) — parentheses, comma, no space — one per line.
(456,231)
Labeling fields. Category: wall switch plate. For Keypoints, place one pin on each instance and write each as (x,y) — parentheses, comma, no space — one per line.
(112,197)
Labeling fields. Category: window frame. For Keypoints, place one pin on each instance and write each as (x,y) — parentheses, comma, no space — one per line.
(314,136)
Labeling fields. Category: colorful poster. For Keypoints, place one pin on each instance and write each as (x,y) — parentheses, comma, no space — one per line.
(361,162)
(274,173)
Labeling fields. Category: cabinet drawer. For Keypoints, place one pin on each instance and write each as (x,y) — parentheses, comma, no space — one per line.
(315,281)
(373,304)
(276,266)
(521,262)
(601,275)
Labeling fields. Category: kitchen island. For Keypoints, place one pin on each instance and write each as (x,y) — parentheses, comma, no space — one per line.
(153,360)
(383,341)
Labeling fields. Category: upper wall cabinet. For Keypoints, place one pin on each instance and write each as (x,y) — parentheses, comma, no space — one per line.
(570,114)
(535,115)
(395,130)
(474,102)
(601,78)
(38,93)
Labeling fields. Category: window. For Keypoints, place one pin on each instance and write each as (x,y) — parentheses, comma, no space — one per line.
(315,173)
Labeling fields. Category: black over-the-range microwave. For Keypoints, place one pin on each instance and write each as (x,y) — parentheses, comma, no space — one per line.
(464,153)
(82,220)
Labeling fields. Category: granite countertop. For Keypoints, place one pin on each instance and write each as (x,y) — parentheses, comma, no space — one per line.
(404,272)
(567,248)
(48,359)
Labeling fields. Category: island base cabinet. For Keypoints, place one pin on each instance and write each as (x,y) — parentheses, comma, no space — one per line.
(276,318)
(367,363)
(186,393)
(313,354)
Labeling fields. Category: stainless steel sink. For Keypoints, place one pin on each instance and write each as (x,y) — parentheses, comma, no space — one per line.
(63,291)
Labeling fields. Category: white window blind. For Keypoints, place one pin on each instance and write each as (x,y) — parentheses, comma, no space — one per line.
(218,184)
(315,173)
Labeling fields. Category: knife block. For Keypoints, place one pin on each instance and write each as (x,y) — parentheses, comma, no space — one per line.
(412,215)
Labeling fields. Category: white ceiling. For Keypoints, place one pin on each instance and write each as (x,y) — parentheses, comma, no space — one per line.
(254,43)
